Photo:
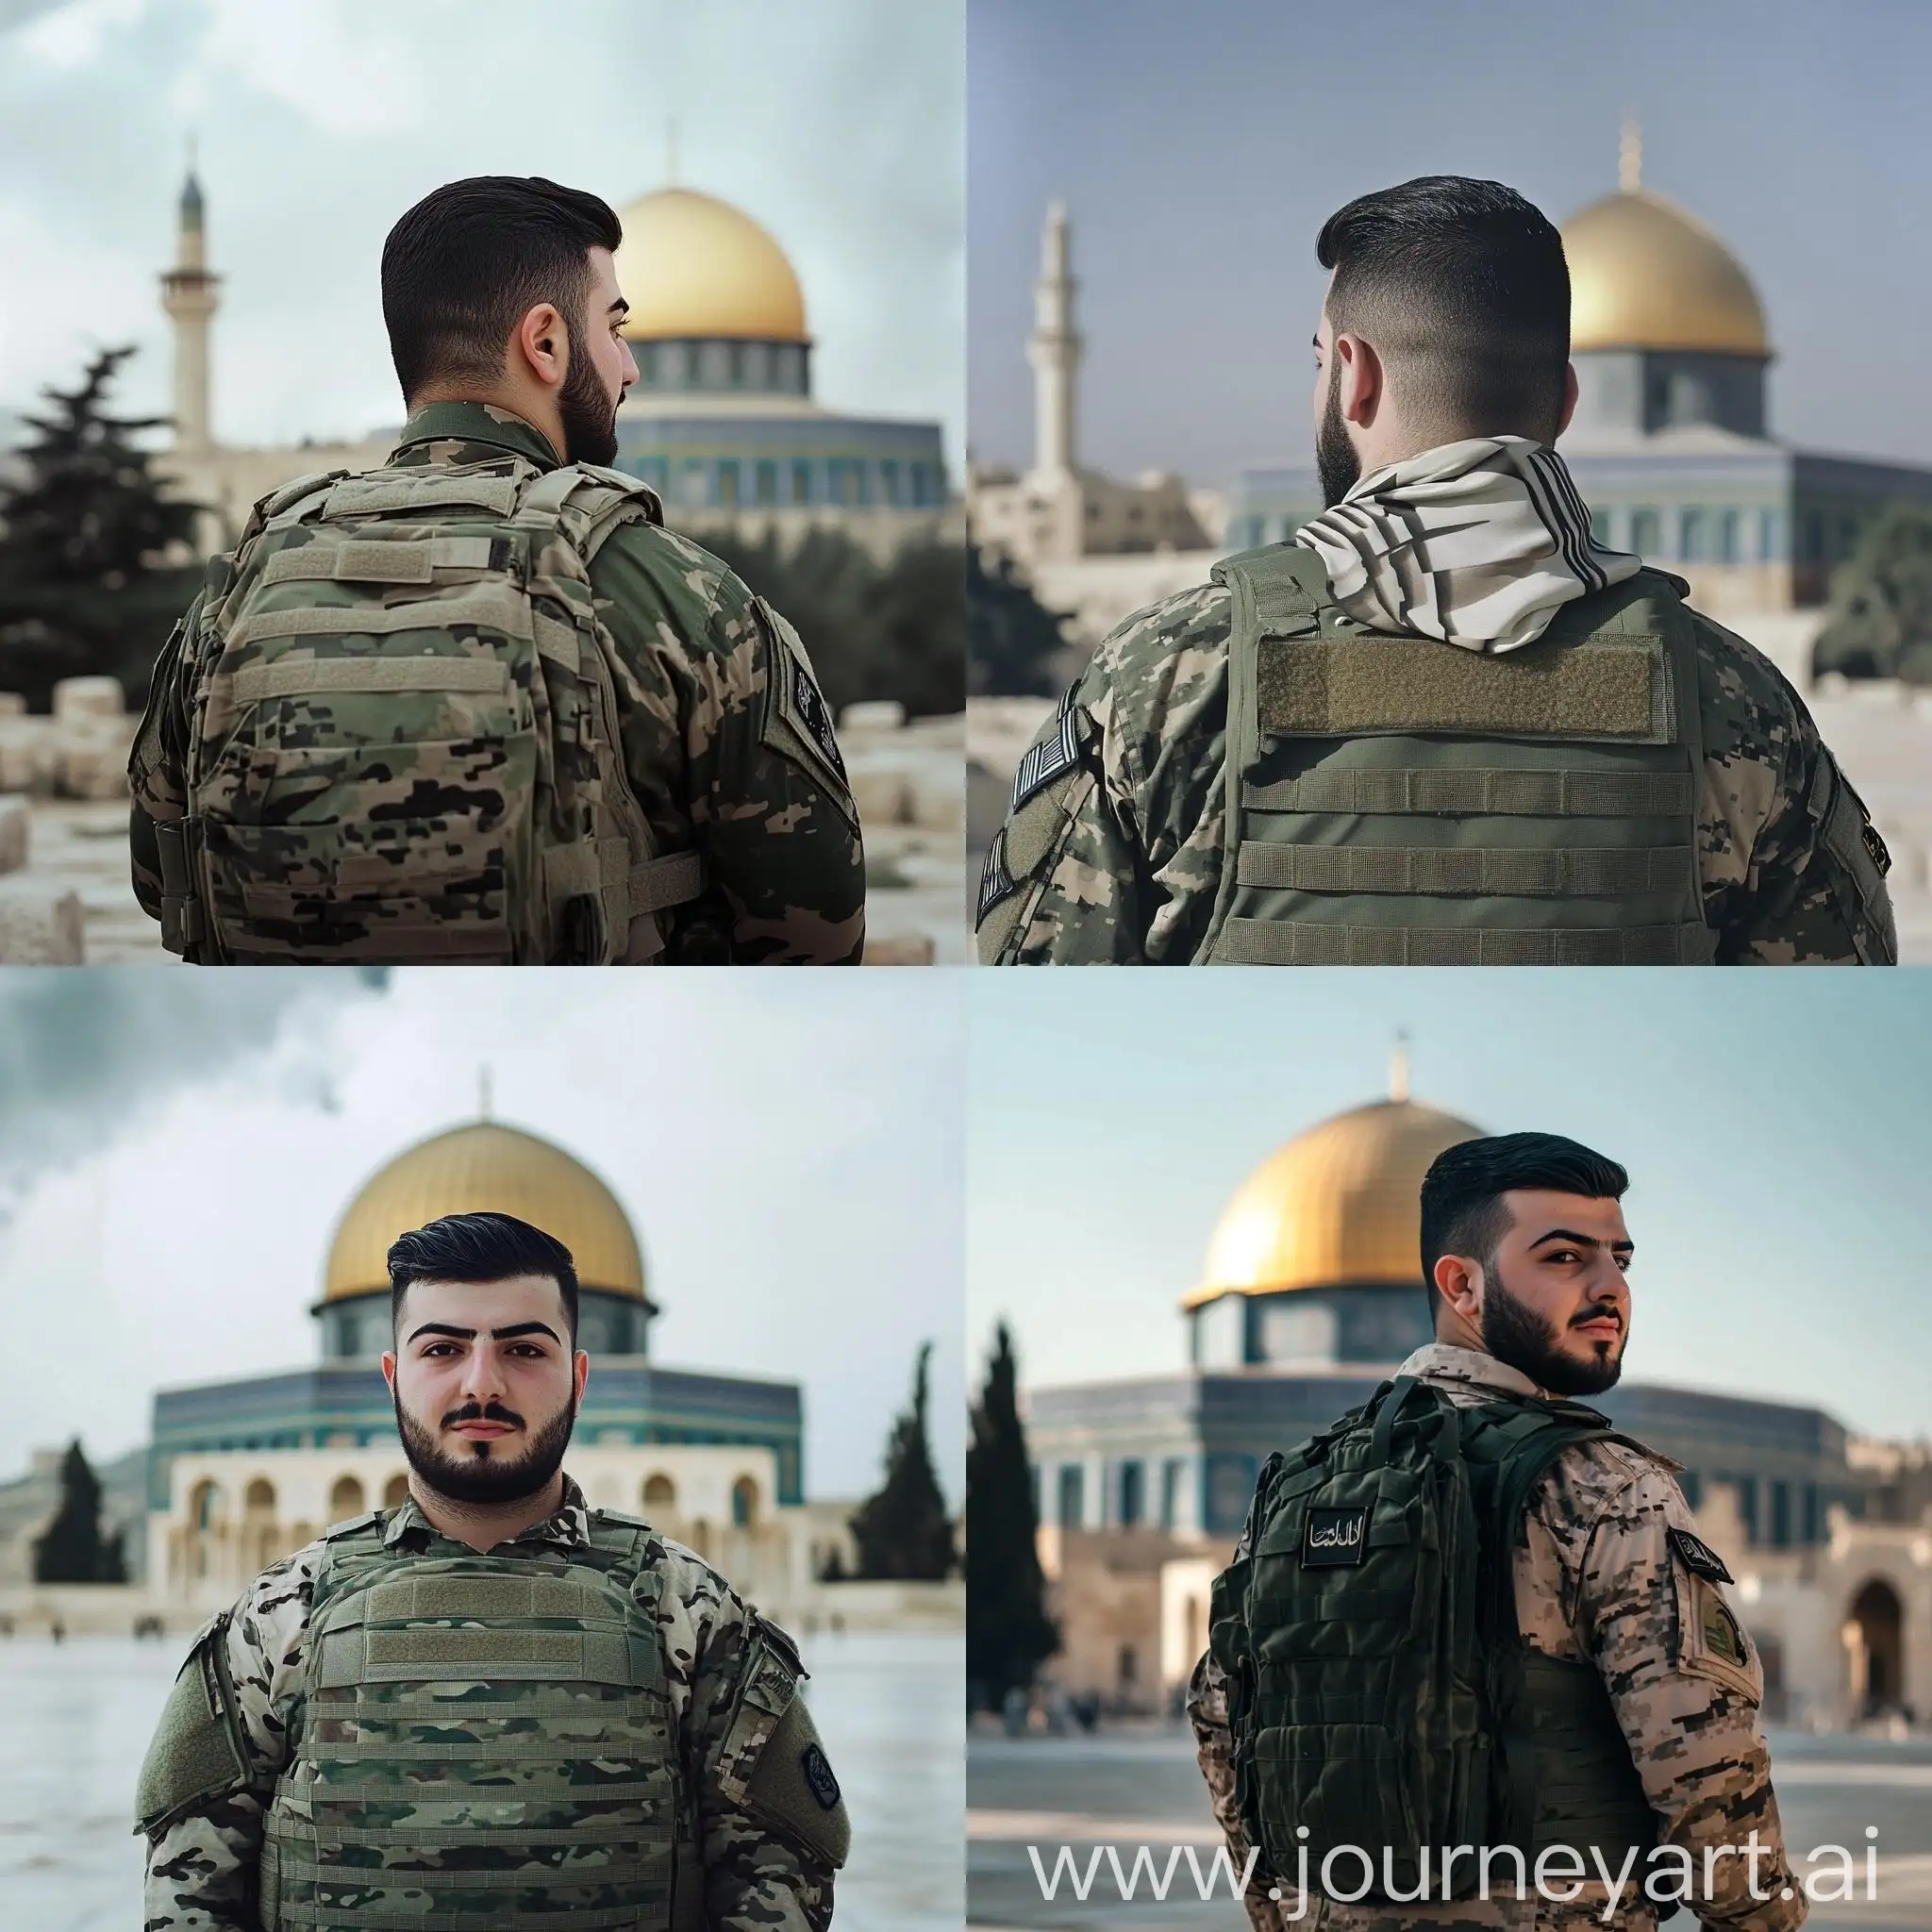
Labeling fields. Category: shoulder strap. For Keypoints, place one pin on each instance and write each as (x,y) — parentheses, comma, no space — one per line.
(585,502)
(1276,591)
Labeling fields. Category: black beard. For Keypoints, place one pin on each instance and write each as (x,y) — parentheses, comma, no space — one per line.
(481,1475)
(1514,1332)
(1336,462)
(589,417)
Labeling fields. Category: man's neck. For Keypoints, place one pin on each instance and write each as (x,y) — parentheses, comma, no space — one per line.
(483,1526)
(546,420)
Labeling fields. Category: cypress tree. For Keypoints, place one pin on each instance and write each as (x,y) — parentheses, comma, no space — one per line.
(1008,1634)
(71,1549)
(1015,643)
(86,584)
(1881,616)
(902,1532)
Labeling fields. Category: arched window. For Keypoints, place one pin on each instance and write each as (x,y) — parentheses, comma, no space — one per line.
(744,1503)
(661,1493)
(204,1505)
(261,1499)
(396,1492)
(346,1499)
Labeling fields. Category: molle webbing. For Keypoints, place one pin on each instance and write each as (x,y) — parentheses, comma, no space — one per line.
(403,561)
(1395,800)
(1349,686)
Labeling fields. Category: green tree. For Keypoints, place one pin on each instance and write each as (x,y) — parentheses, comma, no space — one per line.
(1008,1634)
(902,1532)
(894,630)
(71,1549)
(1880,623)
(1014,639)
(86,586)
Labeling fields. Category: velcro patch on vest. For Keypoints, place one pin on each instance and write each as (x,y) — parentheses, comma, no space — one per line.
(817,1768)
(1350,687)
(1335,1539)
(1722,1637)
(1698,1557)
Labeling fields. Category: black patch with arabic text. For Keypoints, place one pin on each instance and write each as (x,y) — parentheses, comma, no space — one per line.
(815,716)
(1698,1557)
(817,1768)
(1335,1539)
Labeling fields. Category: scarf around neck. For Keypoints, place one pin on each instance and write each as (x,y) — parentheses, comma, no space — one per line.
(1479,543)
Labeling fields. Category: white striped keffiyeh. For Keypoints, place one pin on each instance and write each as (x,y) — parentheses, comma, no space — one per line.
(1478,544)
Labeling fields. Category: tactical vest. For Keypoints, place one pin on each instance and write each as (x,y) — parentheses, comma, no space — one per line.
(405,742)
(1380,1693)
(1395,800)
(482,1740)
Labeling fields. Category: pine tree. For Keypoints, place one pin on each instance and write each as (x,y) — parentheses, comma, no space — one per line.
(1008,1634)
(1014,643)
(1881,617)
(85,581)
(71,1549)
(902,1532)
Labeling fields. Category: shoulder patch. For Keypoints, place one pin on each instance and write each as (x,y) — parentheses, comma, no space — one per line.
(814,715)
(1056,754)
(1698,1557)
(996,881)
(818,1775)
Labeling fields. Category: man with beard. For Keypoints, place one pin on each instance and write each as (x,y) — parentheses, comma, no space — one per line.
(480,705)
(494,1700)
(1443,725)
(1642,1687)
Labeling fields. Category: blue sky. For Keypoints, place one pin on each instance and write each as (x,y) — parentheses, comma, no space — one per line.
(839,125)
(1201,147)
(1776,1127)
(175,1152)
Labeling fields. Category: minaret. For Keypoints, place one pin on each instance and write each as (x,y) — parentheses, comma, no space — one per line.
(188,295)
(1054,349)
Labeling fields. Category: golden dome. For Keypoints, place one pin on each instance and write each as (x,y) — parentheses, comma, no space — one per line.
(1645,273)
(693,265)
(1337,1205)
(478,1168)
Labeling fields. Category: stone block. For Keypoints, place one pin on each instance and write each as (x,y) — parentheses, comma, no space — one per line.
(40,925)
(27,754)
(12,704)
(92,759)
(15,824)
(88,697)
(882,792)
(902,949)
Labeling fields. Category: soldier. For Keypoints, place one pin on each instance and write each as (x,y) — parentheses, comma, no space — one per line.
(494,1700)
(480,705)
(1443,725)
(1641,1686)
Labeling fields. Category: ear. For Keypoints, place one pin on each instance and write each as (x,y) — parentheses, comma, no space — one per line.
(580,1373)
(1460,1281)
(1363,384)
(1569,399)
(542,346)
(389,1369)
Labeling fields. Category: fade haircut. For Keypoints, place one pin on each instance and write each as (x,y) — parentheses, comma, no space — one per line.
(1462,1193)
(468,263)
(480,1248)
(1462,287)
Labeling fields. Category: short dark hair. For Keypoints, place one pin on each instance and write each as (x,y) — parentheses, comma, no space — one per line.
(1462,1192)
(468,263)
(480,1248)
(1462,287)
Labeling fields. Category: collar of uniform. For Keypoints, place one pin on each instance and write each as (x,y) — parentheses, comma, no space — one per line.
(465,424)
(569,1527)
(1442,1361)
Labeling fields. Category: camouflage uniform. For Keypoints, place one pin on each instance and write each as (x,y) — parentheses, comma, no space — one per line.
(714,766)
(1596,1579)
(202,1867)
(1130,873)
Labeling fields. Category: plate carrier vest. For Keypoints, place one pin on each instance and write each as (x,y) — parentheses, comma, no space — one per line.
(1395,800)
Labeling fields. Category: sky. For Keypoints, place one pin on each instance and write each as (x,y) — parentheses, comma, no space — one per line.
(1200,148)
(1775,1126)
(837,126)
(175,1152)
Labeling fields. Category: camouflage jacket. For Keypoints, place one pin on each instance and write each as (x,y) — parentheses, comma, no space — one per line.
(1130,873)
(201,1870)
(1597,1579)
(712,765)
